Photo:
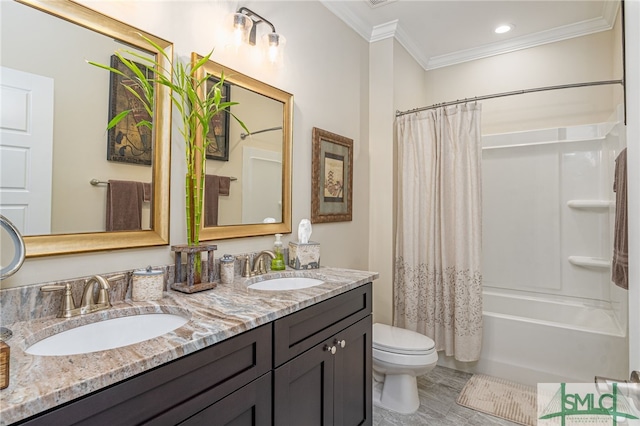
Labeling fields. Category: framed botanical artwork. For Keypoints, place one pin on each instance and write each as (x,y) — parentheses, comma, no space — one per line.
(131,140)
(218,136)
(331,177)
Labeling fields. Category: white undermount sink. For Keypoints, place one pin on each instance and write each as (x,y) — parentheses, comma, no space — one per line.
(286,283)
(107,334)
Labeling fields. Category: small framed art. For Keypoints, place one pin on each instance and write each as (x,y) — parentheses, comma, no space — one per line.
(131,140)
(331,177)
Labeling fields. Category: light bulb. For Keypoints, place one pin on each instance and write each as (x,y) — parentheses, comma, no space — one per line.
(501,29)
(240,27)
(273,44)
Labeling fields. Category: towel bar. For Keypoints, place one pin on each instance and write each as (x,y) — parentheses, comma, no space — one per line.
(96,182)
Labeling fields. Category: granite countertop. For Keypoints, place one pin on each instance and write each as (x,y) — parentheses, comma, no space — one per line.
(38,383)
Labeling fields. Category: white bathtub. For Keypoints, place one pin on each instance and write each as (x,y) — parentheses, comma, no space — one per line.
(547,206)
(533,340)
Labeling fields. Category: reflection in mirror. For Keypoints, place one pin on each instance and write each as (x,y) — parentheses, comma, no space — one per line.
(252,192)
(59,210)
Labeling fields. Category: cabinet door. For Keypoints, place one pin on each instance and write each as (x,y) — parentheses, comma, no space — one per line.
(303,389)
(352,377)
(248,406)
(303,330)
(174,391)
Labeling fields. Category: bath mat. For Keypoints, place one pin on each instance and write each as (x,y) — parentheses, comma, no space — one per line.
(500,398)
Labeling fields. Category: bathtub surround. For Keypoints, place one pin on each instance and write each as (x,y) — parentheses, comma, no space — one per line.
(438,275)
(547,196)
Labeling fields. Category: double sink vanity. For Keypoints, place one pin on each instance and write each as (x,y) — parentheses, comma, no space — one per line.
(292,347)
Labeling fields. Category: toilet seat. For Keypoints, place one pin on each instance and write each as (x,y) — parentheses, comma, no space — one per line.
(393,340)
(404,360)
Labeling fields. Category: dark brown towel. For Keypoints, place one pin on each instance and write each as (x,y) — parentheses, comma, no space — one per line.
(146,192)
(214,186)
(224,182)
(124,205)
(620,262)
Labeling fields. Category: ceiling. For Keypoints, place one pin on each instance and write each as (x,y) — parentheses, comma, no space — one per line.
(447,32)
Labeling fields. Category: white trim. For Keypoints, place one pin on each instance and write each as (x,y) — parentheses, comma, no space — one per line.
(565,32)
(383,31)
(412,47)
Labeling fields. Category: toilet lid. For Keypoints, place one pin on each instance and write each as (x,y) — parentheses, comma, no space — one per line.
(400,340)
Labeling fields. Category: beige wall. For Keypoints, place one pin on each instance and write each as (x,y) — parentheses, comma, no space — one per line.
(330,88)
(577,60)
(402,80)
(381,179)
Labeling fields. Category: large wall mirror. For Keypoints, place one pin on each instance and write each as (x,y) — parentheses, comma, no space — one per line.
(55,184)
(248,182)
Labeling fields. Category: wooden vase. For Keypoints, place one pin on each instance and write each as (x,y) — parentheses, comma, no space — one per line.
(193,283)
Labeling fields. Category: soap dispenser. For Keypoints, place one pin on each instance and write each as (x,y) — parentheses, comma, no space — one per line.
(277,263)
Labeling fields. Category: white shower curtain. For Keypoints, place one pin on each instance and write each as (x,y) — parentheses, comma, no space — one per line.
(438,277)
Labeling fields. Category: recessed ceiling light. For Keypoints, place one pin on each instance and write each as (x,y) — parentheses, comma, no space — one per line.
(505,28)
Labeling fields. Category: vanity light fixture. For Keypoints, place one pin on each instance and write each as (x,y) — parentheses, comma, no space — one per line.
(504,28)
(245,24)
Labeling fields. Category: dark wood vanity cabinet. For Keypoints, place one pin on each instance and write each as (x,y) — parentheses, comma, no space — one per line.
(323,363)
(184,388)
(312,367)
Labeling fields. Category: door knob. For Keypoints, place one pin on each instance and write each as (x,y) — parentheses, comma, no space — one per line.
(340,343)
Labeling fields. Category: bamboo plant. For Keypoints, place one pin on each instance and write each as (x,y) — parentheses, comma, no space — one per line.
(195,112)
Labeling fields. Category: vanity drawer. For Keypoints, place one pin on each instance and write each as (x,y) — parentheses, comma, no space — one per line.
(302,330)
(175,391)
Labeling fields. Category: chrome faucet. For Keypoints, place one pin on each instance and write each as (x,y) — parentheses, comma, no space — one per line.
(259,266)
(89,303)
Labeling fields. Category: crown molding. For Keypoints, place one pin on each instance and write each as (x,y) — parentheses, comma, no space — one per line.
(382,31)
(394,29)
(524,42)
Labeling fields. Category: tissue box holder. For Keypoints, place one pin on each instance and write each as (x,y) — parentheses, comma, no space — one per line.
(304,256)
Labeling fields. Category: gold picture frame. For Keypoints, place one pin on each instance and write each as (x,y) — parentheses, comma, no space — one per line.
(331,177)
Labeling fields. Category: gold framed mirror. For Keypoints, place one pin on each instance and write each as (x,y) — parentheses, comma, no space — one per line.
(256,169)
(81,107)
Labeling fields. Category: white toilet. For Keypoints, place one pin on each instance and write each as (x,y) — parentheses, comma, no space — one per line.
(399,356)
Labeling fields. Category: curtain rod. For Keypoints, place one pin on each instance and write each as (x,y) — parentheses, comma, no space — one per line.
(243,136)
(516,92)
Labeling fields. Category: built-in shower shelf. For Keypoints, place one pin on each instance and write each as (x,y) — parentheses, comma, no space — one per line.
(590,204)
(590,262)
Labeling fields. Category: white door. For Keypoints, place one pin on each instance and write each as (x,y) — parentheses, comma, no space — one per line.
(26,148)
(262,185)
